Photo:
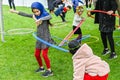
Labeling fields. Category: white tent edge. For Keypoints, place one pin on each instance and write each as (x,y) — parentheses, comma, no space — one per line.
(26,3)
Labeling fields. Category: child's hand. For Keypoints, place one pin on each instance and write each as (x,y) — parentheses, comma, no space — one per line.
(61,15)
(110,12)
(14,11)
(38,22)
(34,17)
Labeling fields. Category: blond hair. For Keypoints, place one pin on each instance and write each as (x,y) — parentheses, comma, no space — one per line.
(79,9)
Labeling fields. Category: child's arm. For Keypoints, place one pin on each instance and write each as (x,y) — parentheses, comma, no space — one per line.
(79,70)
(22,13)
(39,21)
(46,18)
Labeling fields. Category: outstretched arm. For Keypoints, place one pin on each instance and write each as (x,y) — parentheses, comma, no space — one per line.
(22,13)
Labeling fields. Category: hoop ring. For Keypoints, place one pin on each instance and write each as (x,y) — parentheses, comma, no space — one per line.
(49,44)
(100,11)
(118,43)
(94,37)
(20,31)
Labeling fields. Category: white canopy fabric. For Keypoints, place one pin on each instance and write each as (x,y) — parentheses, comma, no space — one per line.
(26,3)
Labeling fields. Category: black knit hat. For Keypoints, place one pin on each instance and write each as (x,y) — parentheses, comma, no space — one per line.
(73,46)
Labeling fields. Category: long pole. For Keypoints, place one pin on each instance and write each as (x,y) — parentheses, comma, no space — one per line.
(70,34)
(1,22)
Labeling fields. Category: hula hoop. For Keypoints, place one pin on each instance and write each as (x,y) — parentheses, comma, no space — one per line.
(57,37)
(116,36)
(54,46)
(83,38)
(88,13)
(20,31)
(117,30)
(100,11)
(118,43)
(59,25)
(70,33)
(97,39)
(49,44)
(117,26)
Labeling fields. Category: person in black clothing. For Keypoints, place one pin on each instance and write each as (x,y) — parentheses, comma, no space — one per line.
(61,11)
(106,24)
(88,4)
(56,3)
(12,4)
(50,6)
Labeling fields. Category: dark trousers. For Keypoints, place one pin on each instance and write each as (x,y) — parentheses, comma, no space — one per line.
(79,32)
(50,5)
(11,4)
(108,36)
(87,5)
(63,16)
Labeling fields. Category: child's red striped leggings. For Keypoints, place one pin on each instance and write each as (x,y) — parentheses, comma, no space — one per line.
(44,55)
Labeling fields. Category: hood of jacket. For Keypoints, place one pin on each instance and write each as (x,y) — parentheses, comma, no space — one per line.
(83,52)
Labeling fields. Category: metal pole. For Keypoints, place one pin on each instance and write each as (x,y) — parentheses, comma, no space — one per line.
(1,22)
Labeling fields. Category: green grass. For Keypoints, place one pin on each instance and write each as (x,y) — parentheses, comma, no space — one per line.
(17,61)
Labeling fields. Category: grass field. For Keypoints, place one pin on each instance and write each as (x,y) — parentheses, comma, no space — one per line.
(17,61)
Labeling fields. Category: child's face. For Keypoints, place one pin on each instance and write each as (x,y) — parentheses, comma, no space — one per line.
(80,12)
(68,9)
(36,12)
